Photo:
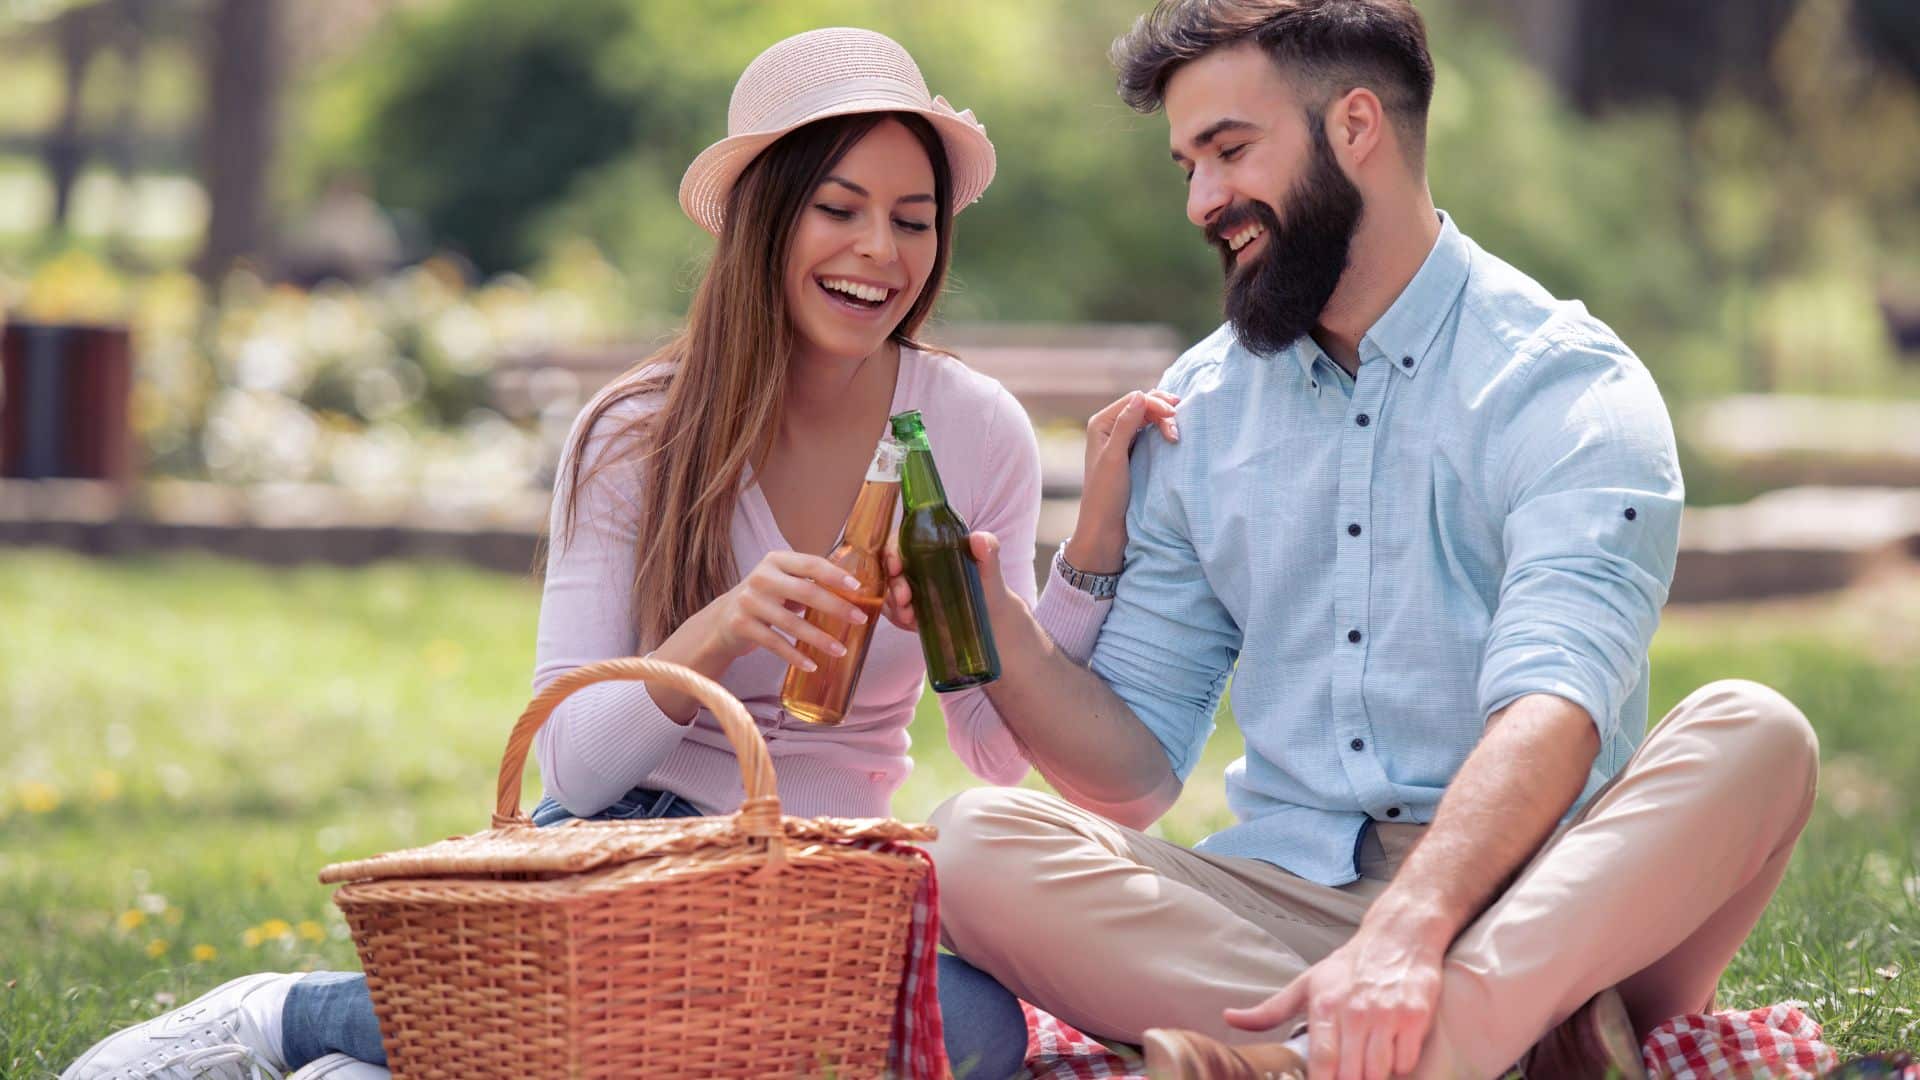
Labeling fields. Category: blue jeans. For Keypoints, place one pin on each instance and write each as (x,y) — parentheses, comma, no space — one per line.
(330,1012)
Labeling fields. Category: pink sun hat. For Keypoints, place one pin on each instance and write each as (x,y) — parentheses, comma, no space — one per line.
(821,73)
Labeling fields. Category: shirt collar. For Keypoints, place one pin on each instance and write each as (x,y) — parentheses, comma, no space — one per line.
(1410,325)
(1307,352)
(1415,317)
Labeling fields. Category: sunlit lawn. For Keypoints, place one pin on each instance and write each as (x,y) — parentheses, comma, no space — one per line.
(188,741)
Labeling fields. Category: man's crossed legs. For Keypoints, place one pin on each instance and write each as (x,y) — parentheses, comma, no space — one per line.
(1651,888)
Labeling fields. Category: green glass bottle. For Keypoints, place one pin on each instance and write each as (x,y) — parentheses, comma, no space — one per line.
(948,602)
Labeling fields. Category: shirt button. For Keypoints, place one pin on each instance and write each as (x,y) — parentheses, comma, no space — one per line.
(1353,636)
(1357,744)
(1393,811)
(1362,420)
(1406,361)
(1631,514)
(1353,529)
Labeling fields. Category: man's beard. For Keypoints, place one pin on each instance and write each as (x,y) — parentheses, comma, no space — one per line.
(1277,298)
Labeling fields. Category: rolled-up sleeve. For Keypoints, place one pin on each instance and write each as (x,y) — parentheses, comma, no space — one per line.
(1169,644)
(1591,482)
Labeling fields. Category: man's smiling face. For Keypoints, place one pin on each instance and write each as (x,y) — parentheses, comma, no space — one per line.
(1249,145)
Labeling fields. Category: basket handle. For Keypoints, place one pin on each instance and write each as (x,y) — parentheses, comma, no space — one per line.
(759,815)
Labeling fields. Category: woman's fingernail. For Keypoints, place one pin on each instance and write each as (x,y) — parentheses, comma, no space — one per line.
(808,664)
(838,649)
(1173,431)
(858,617)
(850,581)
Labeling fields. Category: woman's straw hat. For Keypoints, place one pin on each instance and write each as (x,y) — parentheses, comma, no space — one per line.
(822,73)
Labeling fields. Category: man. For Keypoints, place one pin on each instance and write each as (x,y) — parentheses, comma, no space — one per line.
(1432,513)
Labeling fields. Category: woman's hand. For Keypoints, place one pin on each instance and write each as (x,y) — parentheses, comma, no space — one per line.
(770,605)
(1099,541)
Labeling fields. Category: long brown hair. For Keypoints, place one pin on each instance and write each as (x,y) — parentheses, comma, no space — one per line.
(724,376)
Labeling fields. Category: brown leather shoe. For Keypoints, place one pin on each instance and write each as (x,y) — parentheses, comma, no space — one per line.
(1595,1043)
(1176,1054)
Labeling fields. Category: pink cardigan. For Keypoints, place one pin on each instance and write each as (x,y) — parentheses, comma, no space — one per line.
(611,737)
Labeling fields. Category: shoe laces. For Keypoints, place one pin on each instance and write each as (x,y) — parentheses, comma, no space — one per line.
(221,1048)
(223,1061)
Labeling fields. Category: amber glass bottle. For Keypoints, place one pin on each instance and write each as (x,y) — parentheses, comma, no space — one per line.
(820,696)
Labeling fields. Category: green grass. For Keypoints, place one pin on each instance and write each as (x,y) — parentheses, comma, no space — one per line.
(187,741)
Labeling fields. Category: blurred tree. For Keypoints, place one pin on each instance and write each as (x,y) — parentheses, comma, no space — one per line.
(488,110)
(239,133)
(79,33)
(1892,29)
(1714,238)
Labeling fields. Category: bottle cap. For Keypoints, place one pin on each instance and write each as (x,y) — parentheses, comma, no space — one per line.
(887,458)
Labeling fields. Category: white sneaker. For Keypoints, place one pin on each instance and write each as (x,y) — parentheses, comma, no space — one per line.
(342,1067)
(212,1037)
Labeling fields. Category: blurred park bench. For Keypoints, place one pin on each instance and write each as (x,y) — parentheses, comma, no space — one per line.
(1787,542)
(1841,477)
(1768,441)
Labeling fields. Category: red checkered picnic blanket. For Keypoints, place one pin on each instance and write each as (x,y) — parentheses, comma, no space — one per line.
(1778,1043)
(1761,1044)
(919,1050)
(1057,1051)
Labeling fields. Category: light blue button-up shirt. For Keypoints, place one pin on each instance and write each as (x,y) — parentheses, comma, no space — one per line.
(1489,509)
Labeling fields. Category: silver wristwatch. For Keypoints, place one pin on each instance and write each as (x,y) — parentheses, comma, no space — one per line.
(1098,586)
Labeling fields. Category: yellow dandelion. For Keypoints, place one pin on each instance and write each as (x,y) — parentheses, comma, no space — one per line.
(275,928)
(38,798)
(310,930)
(202,953)
(157,948)
(132,919)
(252,937)
(106,785)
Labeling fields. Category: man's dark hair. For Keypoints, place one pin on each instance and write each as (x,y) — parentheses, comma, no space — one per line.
(1326,47)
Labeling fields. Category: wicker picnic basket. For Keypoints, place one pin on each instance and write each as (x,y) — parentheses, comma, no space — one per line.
(752,945)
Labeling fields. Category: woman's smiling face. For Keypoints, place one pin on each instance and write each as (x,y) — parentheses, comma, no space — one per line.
(863,246)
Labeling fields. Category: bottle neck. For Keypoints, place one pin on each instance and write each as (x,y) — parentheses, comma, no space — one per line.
(872,515)
(921,481)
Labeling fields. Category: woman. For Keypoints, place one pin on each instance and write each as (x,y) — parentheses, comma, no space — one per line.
(693,491)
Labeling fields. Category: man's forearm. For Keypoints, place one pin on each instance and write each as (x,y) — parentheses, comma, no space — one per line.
(1503,804)
(1076,730)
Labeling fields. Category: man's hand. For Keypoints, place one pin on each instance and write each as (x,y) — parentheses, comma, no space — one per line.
(985,549)
(1368,1005)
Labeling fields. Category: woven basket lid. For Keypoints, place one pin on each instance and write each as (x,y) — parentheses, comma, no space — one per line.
(580,846)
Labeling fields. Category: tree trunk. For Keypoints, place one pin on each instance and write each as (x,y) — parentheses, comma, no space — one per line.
(131,45)
(244,66)
(63,152)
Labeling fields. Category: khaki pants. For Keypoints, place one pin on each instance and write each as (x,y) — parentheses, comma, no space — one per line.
(1651,888)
